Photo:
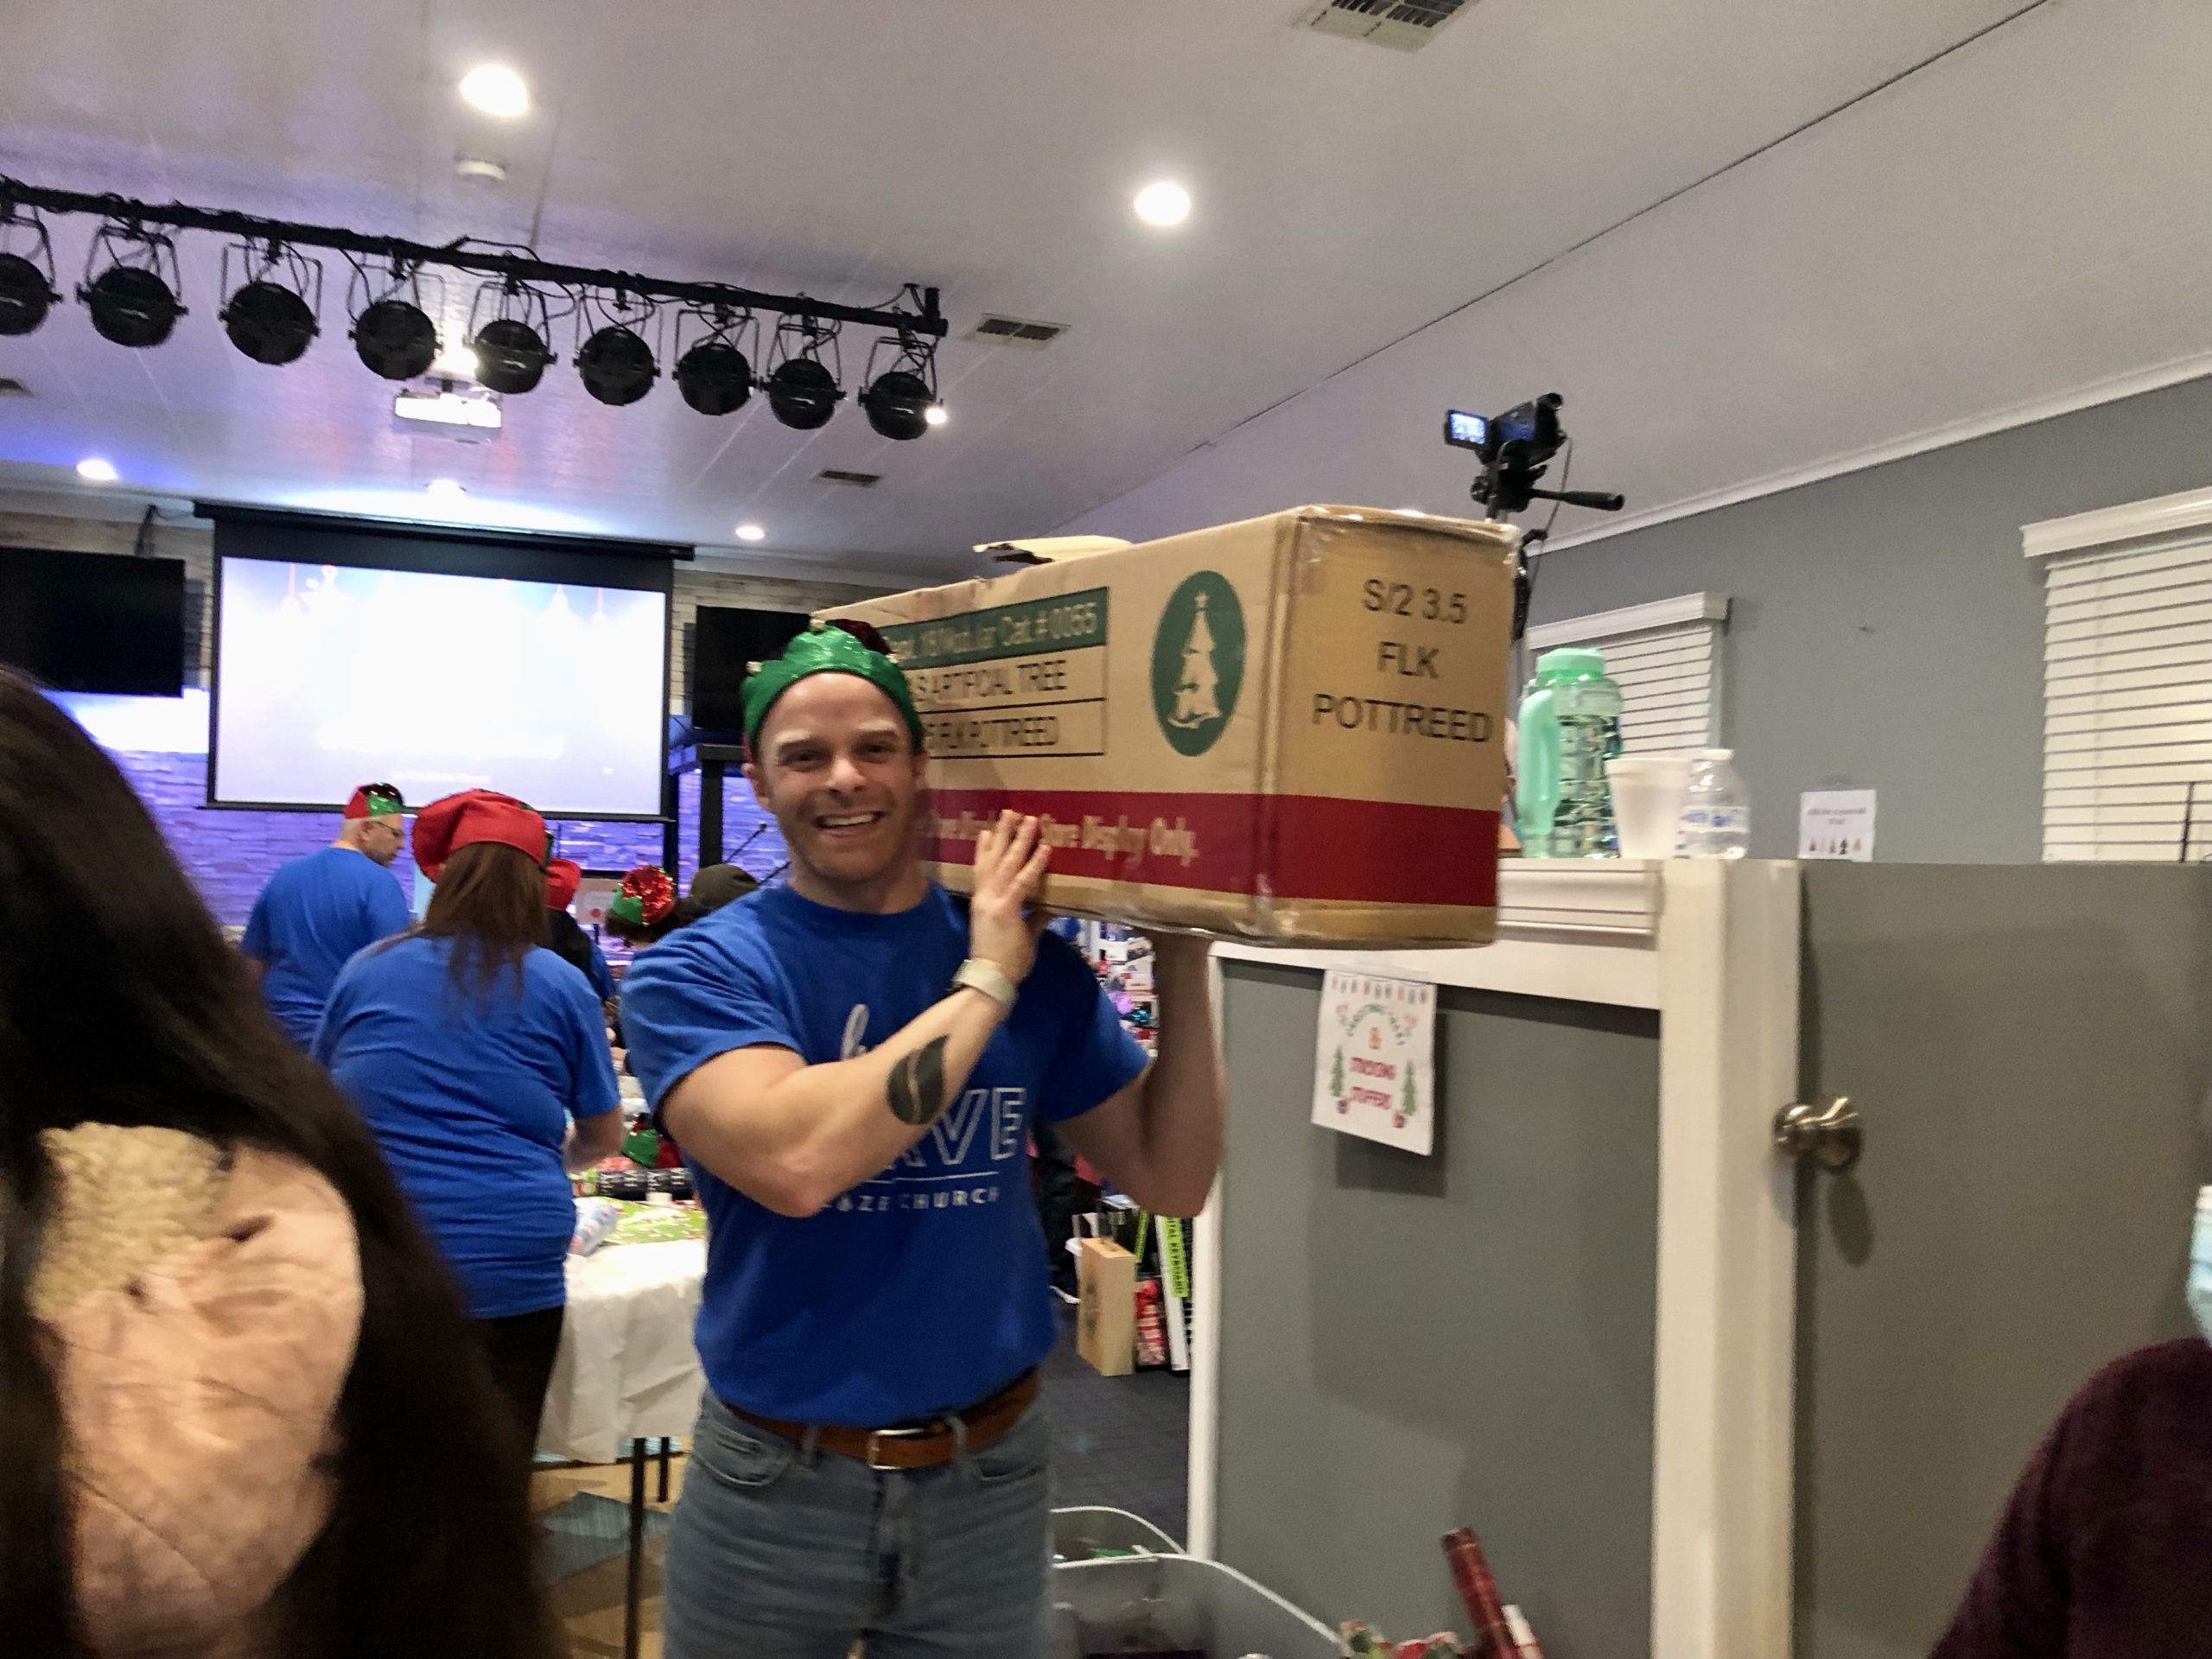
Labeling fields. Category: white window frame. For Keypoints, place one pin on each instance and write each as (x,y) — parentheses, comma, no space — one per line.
(1678,631)
(2128,680)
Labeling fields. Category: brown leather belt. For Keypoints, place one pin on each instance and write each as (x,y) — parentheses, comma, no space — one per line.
(916,1446)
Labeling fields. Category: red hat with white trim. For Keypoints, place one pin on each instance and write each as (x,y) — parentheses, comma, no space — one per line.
(444,827)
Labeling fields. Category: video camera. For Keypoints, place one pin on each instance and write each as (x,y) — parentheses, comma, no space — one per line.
(1514,448)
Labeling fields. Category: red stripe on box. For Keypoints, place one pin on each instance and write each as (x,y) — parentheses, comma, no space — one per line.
(1313,846)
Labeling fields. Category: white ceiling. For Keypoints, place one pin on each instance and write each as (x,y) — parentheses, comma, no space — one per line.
(2023,226)
(1346,196)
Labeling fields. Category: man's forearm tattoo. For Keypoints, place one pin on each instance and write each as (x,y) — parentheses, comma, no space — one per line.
(917,1087)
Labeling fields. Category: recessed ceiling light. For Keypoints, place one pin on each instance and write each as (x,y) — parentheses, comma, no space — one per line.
(1163,202)
(935,415)
(496,90)
(93,470)
(751,533)
(446,489)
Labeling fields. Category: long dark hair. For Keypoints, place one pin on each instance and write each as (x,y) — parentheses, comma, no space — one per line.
(490,902)
(120,1003)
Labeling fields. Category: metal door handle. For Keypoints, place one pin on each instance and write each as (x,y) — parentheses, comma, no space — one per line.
(1830,1133)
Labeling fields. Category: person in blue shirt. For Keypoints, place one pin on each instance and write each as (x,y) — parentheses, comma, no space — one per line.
(852,1063)
(317,911)
(565,935)
(471,1050)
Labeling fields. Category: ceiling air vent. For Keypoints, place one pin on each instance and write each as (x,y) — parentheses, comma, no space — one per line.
(13,387)
(839,475)
(1017,330)
(1402,25)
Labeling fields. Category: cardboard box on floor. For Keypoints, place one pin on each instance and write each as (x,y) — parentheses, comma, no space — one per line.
(1289,729)
(1106,1303)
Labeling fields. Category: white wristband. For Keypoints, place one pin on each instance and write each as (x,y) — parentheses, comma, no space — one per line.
(987,977)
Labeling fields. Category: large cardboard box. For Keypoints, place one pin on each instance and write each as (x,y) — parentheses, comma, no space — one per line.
(1106,1305)
(1290,730)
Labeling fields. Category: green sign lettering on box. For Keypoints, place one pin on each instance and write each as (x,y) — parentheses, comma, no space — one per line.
(1063,622)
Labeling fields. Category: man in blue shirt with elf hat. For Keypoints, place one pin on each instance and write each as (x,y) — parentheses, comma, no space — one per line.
(852,1063)
(317,911)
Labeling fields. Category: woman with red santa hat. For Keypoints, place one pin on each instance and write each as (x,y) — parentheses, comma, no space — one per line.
(470,1049)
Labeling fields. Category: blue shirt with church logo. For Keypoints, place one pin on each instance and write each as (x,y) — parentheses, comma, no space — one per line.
(925,1289)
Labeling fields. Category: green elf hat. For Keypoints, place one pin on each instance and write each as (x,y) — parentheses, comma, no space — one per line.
(646,895)
(841,647)
(375,801)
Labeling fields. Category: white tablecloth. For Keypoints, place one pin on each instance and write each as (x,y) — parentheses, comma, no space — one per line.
(626,1368)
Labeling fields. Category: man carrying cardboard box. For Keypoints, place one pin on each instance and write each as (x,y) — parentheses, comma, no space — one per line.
(851,1064)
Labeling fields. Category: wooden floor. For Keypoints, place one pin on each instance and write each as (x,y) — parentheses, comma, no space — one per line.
(589,1603)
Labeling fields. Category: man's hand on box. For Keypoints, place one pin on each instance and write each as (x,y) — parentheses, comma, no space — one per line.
(1002,924)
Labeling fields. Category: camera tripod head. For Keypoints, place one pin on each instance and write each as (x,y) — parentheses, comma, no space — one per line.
(1515,447)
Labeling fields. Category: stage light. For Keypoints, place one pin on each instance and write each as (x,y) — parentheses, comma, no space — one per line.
(714,378)
(496,90)
(899,399)
(133,300)
(615,363)
(27,290)
(509,340)
(803,394)
(803,390)
(898,405)
(936,414)
(269,324)
(1163,203)
(751,533)
(511,355)
(93,470)
(268,321)
(714,373)
(395,339)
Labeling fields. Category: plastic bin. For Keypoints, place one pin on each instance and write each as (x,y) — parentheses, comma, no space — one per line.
(1078,1535)
(1174,1601)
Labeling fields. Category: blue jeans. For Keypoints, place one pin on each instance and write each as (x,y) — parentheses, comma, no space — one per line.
(779,1552)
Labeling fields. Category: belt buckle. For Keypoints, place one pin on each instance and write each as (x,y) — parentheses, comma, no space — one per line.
(875,1434)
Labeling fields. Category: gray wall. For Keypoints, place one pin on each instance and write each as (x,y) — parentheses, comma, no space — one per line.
(1411,1344)
(2030,1048)
(1886,629)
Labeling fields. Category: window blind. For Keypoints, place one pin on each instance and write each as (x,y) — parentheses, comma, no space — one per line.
(2127,704)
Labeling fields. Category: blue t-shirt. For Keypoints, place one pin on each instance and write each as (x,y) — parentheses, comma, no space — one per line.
(470,1100)
(602,976)
(315,912)
(925,1289)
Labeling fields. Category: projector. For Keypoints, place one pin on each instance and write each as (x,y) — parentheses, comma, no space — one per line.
(437,409)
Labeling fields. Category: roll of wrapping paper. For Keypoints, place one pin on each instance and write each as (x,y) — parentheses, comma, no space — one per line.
(1479,1593)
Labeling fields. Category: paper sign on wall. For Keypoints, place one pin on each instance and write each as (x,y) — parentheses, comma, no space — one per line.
(1374,1059)
(1836,824)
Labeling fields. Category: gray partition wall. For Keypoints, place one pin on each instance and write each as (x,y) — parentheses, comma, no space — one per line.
(1410,1345)
(2030,1047)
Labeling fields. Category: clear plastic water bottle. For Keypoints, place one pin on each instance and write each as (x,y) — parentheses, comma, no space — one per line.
(1716,815)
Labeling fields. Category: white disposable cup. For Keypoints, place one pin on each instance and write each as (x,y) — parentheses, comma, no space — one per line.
(1647,794)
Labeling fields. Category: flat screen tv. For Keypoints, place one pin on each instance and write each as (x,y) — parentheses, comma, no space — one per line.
(94,621)
(725,641)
